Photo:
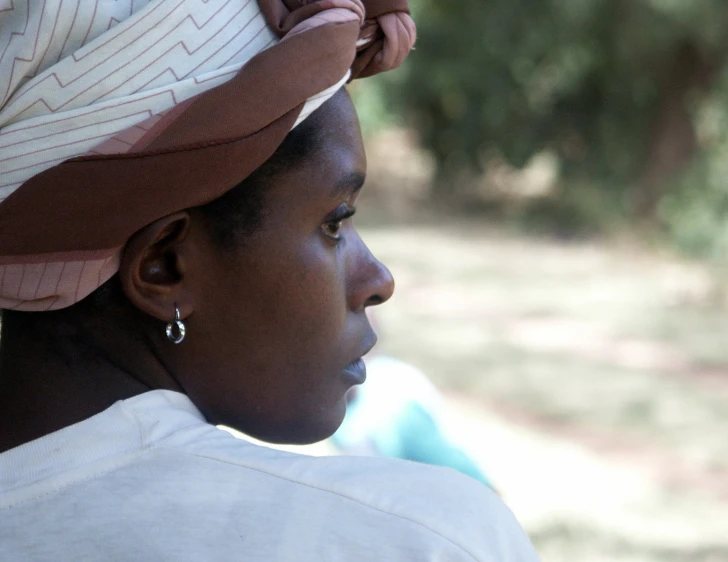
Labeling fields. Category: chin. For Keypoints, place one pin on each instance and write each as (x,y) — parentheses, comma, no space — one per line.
(317,426)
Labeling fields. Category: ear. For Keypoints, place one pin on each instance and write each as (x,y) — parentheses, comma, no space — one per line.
(153,268)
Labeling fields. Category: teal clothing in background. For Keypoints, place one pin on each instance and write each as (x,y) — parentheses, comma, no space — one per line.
(394,415)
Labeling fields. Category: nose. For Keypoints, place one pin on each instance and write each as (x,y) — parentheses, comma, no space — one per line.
(384,288)
(371,283)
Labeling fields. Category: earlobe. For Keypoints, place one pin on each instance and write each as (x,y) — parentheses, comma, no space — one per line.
(153,268)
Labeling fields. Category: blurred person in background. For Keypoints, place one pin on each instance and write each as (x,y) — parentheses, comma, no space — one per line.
(397,413)
(175,252)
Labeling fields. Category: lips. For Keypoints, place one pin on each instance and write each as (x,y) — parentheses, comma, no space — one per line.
(356,372)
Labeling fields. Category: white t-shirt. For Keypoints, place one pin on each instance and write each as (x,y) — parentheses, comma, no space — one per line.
(149,480)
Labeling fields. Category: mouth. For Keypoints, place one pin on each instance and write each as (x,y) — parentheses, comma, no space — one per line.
(356,372)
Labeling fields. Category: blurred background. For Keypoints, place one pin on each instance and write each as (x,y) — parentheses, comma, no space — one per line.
(549,185)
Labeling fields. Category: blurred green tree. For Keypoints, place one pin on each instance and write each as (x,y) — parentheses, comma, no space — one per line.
(610,86)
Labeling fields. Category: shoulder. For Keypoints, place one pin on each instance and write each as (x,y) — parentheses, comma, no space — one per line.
(439,502)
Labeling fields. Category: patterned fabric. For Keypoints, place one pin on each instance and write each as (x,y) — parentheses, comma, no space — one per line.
(114,113)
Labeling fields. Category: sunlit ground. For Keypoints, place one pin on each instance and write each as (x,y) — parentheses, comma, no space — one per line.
(589,380)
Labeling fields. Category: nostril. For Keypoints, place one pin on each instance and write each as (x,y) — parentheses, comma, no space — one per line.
(384,289)
(374,300)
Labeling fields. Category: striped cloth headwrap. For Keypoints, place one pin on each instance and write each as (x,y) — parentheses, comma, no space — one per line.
(114,113)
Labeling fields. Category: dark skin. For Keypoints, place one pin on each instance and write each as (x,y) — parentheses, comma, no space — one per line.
(272,324)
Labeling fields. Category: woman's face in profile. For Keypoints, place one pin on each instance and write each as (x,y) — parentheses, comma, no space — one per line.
(280,322)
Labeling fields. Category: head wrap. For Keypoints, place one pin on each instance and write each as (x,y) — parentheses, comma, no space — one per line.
(114,113)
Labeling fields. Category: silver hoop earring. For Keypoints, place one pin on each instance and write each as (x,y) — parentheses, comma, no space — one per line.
(180,328)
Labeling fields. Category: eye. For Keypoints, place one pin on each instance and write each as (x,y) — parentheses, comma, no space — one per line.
(332,229)
(334,222)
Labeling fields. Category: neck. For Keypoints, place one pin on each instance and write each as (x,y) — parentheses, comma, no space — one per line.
(46,386)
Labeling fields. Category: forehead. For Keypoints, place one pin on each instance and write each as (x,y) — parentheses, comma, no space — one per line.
(336,153)
(337,127)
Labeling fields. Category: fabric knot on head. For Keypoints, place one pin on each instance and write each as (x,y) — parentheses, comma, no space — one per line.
(387,32)
(386,38)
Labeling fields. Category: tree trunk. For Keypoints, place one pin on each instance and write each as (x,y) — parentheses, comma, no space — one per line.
(673,141)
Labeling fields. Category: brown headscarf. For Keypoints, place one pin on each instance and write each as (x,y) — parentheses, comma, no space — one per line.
(63,223)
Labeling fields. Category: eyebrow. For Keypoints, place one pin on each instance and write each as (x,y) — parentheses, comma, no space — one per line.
(348,184)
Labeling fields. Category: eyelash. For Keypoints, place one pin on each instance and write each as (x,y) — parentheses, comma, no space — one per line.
(342,213)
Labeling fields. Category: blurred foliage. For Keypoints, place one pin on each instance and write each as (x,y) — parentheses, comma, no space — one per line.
(579,76)
(618,90)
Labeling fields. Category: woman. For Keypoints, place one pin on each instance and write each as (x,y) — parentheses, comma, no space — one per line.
(176,252)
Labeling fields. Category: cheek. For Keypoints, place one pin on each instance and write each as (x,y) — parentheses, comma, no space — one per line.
(313,304)
(294,303)
(298,346)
